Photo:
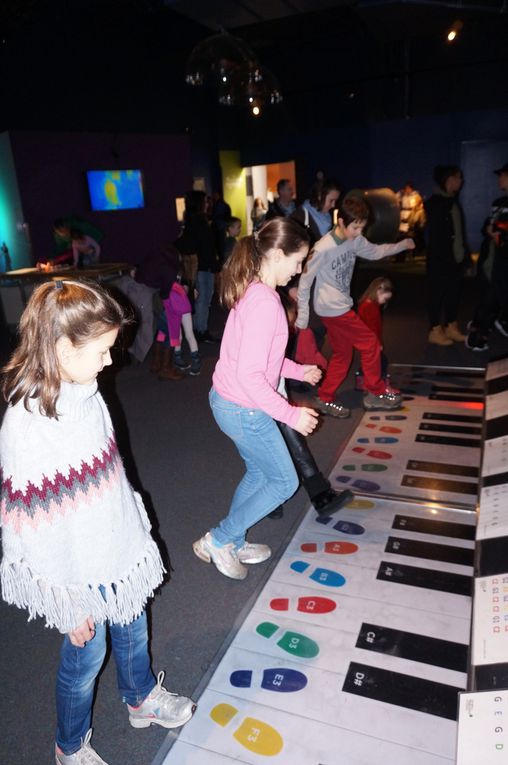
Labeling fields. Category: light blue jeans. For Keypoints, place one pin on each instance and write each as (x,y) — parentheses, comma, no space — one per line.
(205,285)
(78,670)
(270,477)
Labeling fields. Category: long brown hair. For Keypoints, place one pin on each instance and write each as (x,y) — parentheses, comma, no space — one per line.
(78,310)
(382,282)
(243,265)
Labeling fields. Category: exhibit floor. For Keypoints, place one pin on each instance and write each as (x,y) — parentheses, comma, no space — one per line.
(357,646)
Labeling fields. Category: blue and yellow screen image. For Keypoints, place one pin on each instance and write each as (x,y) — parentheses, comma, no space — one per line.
(115,189)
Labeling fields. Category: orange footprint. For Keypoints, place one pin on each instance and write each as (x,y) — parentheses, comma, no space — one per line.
(255,735)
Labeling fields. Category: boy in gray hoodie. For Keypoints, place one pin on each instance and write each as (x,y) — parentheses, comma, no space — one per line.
(331,266)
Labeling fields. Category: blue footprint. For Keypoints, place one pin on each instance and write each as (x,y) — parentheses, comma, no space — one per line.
(280,679)
(378,440)
(346,527)
(359,483)
(320,575)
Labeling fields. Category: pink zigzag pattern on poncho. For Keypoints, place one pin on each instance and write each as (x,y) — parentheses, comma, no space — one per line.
(56,497)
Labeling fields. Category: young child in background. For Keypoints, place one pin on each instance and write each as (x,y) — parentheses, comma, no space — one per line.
(244,397)
(233,228)
(370,307)
(331,265)
(178,312)
(77,548)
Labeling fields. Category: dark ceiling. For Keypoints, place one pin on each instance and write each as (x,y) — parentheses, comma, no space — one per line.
(119,64)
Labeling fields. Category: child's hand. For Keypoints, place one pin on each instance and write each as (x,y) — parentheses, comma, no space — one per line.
(312,374)
(307,421)
(410,245)
(82,634)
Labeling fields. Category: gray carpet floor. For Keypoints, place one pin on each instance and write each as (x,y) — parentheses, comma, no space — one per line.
(187,471)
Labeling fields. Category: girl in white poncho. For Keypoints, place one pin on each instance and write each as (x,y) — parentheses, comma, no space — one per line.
(77,548)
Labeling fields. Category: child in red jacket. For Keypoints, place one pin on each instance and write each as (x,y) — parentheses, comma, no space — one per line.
(370,306)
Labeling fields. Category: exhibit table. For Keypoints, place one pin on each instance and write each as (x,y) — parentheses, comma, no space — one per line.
(17,286)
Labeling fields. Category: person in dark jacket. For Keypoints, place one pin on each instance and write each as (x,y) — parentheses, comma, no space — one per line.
(492,310)
(447,255)
(197,239)
(284,204)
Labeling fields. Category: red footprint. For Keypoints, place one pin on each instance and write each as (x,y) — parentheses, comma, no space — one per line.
(307,604)
(374,453)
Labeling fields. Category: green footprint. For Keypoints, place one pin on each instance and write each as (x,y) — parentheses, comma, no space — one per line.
(292,642)
(369,467)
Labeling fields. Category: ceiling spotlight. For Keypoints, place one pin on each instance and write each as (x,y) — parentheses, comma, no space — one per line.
(256,111)
(454,30)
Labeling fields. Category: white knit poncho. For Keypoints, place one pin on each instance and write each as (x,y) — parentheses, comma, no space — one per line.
(71,521)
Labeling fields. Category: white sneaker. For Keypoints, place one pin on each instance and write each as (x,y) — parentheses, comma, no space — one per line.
(251,553)
(161,708)
(86,755)
(225,557)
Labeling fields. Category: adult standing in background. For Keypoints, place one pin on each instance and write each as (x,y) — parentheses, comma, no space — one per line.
(447,255)
(220,213)
(412,217)
(258,213)
(284,205)
(197,238)
(315,212)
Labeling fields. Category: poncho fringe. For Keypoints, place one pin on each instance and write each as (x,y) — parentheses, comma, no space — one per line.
(122,601)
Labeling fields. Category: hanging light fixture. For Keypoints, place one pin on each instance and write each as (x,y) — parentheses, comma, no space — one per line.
(217,58)
(230,65)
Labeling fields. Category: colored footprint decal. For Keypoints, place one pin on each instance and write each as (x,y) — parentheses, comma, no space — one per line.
(361,504)
(306,604)
(346,527)
(293,642)
(378,440)
(384,428)
(255,735)
(359,483)
(335,548)
(367,468)
(320,575)
(280,679)
(377,455)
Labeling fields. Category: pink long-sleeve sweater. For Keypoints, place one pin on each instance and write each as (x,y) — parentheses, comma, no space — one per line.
(252,359)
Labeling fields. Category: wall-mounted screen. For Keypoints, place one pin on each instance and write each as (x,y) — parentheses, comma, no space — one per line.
(115,189)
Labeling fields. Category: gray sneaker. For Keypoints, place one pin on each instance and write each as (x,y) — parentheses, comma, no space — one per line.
(225,557)
(161,708)
(86,755)
(331,408)
(386,400)
(251,553)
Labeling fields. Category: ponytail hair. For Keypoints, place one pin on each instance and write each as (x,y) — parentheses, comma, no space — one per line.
(244,264)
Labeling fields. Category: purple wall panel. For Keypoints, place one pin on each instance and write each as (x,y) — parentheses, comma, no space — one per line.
(51,170)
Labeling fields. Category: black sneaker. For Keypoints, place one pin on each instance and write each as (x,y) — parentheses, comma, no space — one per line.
(329,501)
(195,365)
(331,408)
(389,399)
(476,342)
(502,326)
(180,362)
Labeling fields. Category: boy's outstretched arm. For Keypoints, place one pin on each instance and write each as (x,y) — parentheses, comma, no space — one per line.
(369,251)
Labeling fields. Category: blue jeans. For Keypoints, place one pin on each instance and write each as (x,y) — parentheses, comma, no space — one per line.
(78,670)
(270,478)
(205,285)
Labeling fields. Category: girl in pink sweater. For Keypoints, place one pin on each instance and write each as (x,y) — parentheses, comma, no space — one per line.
(245,397)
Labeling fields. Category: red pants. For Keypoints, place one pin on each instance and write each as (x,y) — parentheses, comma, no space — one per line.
(345,333)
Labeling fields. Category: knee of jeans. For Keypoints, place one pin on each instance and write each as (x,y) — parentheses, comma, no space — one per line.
(286,485)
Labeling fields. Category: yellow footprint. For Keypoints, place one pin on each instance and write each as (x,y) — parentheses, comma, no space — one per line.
(360,504)
(254,735)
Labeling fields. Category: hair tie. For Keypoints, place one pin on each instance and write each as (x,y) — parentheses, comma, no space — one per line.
(59,284)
